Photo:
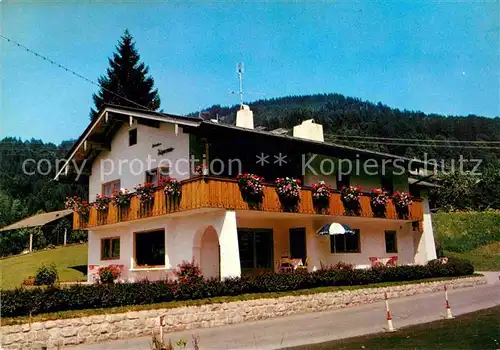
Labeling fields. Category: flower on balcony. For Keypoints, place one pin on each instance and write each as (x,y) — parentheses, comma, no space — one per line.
(321,194)
(401,199)
(201,169)
(78,205)
(122,198)
(101,202)
(145,192)
(378,201)
(350,198)
(171,187)
(251,187)
(351,193)
(288,189)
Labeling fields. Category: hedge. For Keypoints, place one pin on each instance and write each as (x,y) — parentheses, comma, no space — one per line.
(22,301)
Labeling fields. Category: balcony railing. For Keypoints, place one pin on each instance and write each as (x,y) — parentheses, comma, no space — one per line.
(214,192)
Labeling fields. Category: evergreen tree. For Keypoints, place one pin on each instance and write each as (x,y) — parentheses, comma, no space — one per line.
(127,77)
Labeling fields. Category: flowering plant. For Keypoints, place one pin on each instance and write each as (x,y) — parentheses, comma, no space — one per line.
(321,194)
(78,205)
(378,201)
(350,193)
(101,202)
(171,187)
(251,186)
(350,198)
(145,192)
(402,199)
(201,169)
(108,274)
(288,188)
(122,198)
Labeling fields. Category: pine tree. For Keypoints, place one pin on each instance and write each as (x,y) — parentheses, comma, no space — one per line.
(127,77)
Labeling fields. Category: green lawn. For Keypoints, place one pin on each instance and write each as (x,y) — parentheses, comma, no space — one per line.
(476,330)
(70,262)
(485,258)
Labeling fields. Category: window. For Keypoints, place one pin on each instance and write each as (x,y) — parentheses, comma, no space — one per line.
(109,188)
(154,175)
(150,248)
(256,248)
(391,242)
(387,184)
(346,243)
(110,248)
(132,137)
(343,180)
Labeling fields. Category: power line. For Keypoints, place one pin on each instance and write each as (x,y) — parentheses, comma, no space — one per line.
(412,140)
(72,72)
(417,144)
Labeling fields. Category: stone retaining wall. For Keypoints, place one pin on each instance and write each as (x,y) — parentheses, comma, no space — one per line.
(92,329)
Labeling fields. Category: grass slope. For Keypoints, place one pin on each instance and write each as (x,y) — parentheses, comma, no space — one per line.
(70,261)
(485,258)
(471,235)
(476,330)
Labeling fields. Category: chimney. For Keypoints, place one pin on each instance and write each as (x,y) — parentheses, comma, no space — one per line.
(244,117)
(309,130)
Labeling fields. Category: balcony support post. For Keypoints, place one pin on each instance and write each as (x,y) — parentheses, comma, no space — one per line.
(228,241)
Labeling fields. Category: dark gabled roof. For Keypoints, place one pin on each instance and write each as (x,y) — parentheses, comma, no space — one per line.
(318,144)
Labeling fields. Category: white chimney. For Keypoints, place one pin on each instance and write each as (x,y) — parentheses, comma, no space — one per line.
(244,117)
(309,130)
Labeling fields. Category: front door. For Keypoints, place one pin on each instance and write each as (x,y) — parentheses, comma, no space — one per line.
(298,243)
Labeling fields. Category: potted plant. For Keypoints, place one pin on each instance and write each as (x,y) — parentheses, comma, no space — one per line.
(122,200)
(321,196)
(251,188)
(172,189)
(101,204)
(288,189)
(201,169)
(402,201)
(146,195)
(378,202)
(350,198)
(80,206)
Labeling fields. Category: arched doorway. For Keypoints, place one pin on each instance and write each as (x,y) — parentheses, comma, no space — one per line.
(210,254)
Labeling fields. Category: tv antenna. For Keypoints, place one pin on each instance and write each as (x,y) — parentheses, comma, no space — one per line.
(240,70)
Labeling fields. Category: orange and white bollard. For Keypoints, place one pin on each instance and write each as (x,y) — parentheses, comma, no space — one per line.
(390,326)
(449,315)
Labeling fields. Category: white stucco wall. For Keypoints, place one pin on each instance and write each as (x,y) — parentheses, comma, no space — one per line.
(137,159)
(183,242)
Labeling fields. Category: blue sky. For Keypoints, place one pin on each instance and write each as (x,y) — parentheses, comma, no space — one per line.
(434,57)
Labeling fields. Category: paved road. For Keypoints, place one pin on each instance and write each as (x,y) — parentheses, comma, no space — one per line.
(328,325)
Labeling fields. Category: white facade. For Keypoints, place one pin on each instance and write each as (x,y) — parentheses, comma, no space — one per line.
(210,238)
(129,163)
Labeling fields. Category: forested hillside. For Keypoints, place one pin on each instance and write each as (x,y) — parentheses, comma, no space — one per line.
(347,116)
(23,189)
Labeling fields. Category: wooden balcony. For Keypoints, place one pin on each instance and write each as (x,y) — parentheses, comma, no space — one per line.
(214,192)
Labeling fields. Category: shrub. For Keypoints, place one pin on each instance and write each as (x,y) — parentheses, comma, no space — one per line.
(188,273)
(46,275)
(190,285)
